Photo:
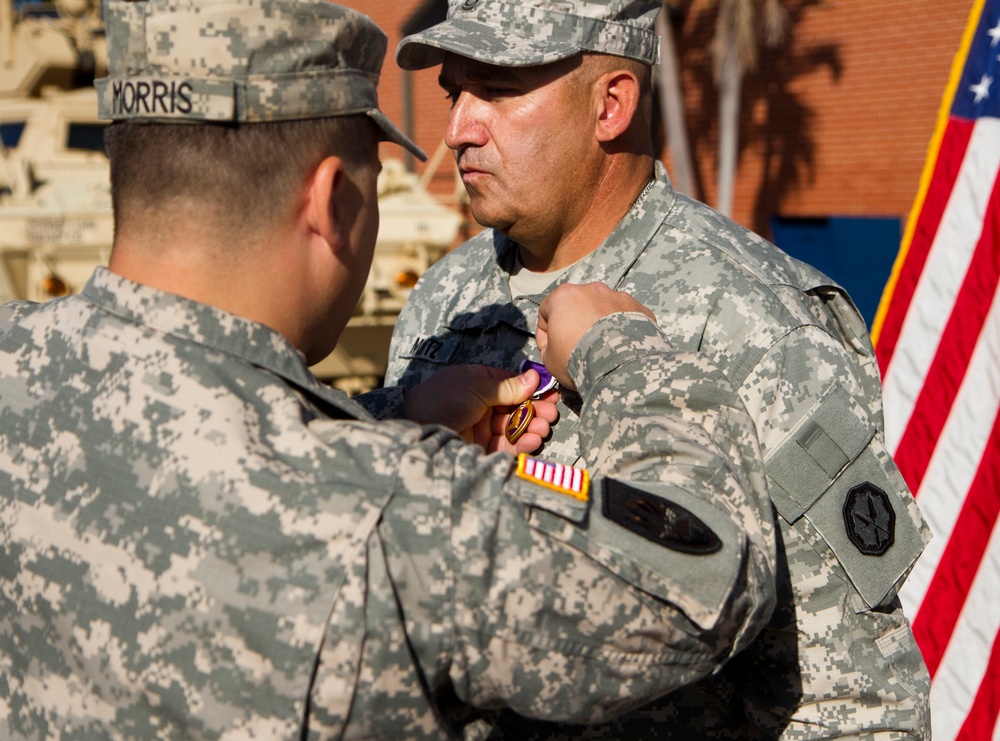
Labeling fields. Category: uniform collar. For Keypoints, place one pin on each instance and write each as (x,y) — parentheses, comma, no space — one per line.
(217,330)
(608,264)
(493,303)
(613,259)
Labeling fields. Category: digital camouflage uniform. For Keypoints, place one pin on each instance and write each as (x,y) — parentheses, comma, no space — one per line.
(838,658)
(200,540)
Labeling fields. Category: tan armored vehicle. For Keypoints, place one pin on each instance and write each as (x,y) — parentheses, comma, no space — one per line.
(55,209)
(415,230)
(55,204)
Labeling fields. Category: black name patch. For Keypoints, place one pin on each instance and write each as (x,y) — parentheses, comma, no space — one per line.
(151,97)
(658,519)
(432,349)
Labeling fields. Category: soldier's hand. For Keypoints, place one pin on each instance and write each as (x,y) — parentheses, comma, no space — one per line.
(493,438)
(567,313)
(476,400)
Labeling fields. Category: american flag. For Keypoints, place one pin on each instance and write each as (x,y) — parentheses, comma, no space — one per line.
(937,338)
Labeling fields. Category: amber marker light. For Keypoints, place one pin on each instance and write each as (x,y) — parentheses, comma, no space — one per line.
(54,286)
(407,278)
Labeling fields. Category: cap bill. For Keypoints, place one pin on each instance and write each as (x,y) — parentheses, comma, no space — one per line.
(391,133)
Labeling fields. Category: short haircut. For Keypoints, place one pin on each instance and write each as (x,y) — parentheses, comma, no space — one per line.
(240,176)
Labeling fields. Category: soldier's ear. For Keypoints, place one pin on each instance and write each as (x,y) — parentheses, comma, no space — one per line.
(617,105)
(321,210)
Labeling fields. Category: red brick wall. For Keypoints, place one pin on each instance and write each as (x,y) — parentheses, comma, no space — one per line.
(836,122)
(429,106)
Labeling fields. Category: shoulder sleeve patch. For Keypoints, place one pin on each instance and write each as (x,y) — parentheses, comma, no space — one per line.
(658,519)
(870,521)
(569,480)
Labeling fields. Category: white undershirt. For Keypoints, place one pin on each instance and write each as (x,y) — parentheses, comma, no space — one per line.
(524,282)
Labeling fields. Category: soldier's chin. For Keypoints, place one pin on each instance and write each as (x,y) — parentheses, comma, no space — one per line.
(489,219)
(322,342)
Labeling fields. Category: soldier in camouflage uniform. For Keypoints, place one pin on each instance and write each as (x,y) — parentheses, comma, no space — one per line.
(199,540)
(550,127)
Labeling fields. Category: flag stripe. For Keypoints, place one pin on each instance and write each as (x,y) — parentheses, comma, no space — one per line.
(954,79)
(923,230)
(981,722)
(967,662)
(963,554)
(939,283)
(937,338)
(945,373)
(956,459)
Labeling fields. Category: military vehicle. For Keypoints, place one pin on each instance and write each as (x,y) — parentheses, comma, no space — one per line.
(415,230)
(55,203)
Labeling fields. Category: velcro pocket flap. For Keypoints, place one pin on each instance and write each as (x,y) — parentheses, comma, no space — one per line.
(568,507)
(806,464)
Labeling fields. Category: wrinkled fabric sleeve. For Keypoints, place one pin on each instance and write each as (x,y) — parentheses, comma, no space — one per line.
(557,610)
(384,403)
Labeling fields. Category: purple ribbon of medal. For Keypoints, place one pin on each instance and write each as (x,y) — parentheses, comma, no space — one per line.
(517,425)
(545,382)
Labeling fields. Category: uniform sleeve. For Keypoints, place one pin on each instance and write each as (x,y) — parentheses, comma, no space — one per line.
(14,310)
(521,589)
(828,463)
(384,403)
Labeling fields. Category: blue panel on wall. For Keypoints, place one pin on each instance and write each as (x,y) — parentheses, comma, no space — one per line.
(10,133)
(856,251)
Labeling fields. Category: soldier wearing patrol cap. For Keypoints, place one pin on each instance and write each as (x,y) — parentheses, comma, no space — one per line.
(199,540)
(550,126)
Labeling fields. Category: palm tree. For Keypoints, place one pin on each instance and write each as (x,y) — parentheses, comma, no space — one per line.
(672,102)
(734,51)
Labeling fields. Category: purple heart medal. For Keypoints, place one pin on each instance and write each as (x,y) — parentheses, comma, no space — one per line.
(517,425)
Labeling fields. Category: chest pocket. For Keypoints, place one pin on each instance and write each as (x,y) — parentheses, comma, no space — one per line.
(833,473)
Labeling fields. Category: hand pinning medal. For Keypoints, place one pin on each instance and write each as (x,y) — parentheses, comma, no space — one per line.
(519,419)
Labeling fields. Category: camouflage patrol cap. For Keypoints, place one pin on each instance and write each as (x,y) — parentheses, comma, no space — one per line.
(220,61)
(526,33)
